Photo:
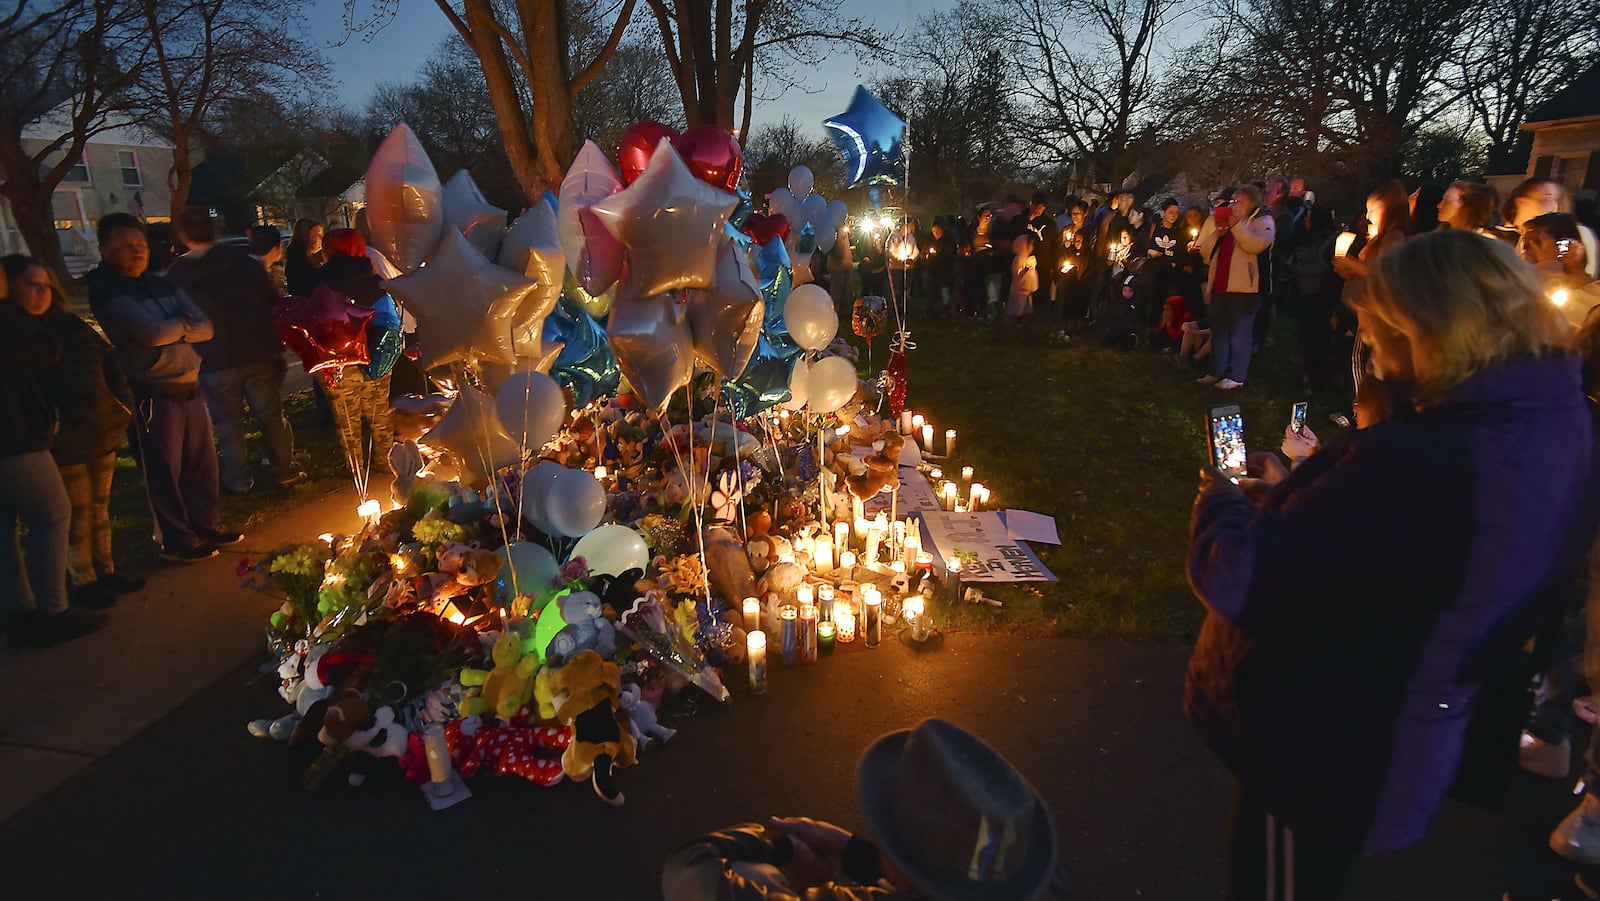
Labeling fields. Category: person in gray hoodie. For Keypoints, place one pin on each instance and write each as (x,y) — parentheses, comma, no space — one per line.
(154,328)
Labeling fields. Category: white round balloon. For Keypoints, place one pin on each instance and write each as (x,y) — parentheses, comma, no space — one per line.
(531,407)
(799,392)
(801,181)
(574,503)
(536,484)
(528,569)
(831,383)
(612,550)
(810,317)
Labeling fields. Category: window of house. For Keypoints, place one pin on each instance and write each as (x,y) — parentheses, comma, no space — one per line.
(129,161)
(78,174)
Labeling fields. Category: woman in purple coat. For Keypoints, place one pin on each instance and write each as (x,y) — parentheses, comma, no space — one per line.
(1367,606)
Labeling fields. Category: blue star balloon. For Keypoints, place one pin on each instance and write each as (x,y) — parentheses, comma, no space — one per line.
(765,380)
(586,363)
(872,140)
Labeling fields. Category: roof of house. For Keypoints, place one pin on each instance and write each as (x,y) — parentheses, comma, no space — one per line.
(118,129)
(1578,100)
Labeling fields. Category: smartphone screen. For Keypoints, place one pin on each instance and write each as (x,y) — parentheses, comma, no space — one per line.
(1225,432)
(1297,419)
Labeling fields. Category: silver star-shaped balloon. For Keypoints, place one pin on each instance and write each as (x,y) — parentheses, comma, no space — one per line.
(651,338)
(466,208)
(533,248)
(472,431)
(464,304)
(726,318)
(670,222)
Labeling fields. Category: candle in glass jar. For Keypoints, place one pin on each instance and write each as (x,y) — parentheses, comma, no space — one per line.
(822,557)
(600,473)
(825,602)
(841,535)
(1341,244)
(788,619)
(847,561)
(916,618)
(437,750)
(862,524)
(966,478)
(808,634)
(874,538)
(949,442)
(752,614)
(912,547)
(935,475)
(804,594)
(927,438)
(952,579)
(947,493)
(924,561)
(825,630)
(872,617)
(756,651)
(905,422)
(917,421)
(845,621)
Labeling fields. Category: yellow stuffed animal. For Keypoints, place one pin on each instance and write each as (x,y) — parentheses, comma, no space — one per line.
(587,694)
(507,688)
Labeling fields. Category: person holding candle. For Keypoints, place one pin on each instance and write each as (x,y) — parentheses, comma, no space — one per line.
(1233,239)
(1074,273)
(954,821)
(1346,707)
(1553,245)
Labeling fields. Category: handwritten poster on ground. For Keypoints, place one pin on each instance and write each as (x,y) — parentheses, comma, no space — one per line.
(1001,558)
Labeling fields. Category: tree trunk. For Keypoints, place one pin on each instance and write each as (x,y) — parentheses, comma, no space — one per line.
(32,208)
(514,134)
(180,178)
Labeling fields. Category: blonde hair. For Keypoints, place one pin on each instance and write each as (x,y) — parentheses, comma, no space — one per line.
(1465,303)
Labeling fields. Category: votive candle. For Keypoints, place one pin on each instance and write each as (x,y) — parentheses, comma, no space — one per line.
(822,557)
(874,538)
(756,648)
(947,493)
(846,623)
(924,561)
(847,561)
(917,421)
(935,474)
(804,594)
(916,618)
(862,525)
(825,602)
(808,634)
(905,422)
(825,632)
(966,479)
(841,534)
(912,547)
(927,438)
(952,579)
(949,442)
(978,496)
(787,618)
(752,614)
(872,617)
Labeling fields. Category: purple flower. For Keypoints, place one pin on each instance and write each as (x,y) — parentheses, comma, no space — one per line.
(573,569)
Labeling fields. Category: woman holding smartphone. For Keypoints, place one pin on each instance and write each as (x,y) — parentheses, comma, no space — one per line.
(1341,706)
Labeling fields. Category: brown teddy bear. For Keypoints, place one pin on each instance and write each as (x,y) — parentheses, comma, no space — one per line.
(882,469)
(587,698)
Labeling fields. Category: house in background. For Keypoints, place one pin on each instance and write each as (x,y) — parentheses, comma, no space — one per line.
(1566,138)
(123,169)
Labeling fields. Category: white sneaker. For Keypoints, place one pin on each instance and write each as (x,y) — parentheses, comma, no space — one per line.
(1578,837)
(1229,384)
(1543,759)
(1206,380)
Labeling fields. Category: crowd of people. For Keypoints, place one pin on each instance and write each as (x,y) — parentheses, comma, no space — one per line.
(183,361)
(1203,282)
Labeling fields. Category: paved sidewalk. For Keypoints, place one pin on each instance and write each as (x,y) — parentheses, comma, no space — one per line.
(72,705)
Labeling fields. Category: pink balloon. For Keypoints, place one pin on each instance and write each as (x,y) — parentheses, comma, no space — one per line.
(713,155)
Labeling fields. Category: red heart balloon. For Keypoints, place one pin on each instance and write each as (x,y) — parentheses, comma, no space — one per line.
(712,154)
(638,143)
(762,229)
(325,330)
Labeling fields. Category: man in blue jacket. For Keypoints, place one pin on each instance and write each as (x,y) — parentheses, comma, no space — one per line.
(155,328)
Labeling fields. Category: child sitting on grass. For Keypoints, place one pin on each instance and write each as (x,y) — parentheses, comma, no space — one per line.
(1167,336)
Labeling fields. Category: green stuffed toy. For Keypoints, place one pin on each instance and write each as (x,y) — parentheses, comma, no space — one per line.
(506,689)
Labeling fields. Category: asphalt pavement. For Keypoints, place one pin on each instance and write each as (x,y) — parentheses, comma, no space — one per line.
(126,771)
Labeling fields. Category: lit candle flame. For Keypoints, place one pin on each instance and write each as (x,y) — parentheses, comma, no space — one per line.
(1559,297)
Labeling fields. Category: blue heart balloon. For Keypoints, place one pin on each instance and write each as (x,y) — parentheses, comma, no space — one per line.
(872,140)
(586,363)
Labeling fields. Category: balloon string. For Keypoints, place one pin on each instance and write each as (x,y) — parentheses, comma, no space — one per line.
(738,469)
(488,465)
(689,479)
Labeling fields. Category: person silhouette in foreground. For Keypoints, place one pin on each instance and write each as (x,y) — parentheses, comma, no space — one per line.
(953,821)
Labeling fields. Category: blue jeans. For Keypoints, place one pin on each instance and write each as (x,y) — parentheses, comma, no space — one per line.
(1233,319)
(31,494)
(227,391)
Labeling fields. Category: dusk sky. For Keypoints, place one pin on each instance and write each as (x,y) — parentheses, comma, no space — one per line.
(396,52)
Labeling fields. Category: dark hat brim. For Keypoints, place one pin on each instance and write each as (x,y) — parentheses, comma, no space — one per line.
(872,789)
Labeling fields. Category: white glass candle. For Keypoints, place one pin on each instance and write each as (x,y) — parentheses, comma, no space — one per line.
(927,438)
(862,525)
(916,618)
(947,494)
(804,595)
(949,442)
(874,539)
(841,534)
(913,547)
(872,617)
(752,614)
(905,422)
(823,556)
(756,648)
(847,561)
(935,475)
(966,478)
(845,622)
(917,421)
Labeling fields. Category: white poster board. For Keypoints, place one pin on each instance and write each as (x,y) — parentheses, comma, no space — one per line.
(1000,558)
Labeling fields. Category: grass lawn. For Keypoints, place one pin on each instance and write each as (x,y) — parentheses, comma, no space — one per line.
(1109,443)
(1106,441)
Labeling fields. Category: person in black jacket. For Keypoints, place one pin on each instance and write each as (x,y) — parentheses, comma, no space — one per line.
(243,361)
(33,587)
(94,406)
(304,257)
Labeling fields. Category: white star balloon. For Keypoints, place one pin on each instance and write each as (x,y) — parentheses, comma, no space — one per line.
(671,223)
